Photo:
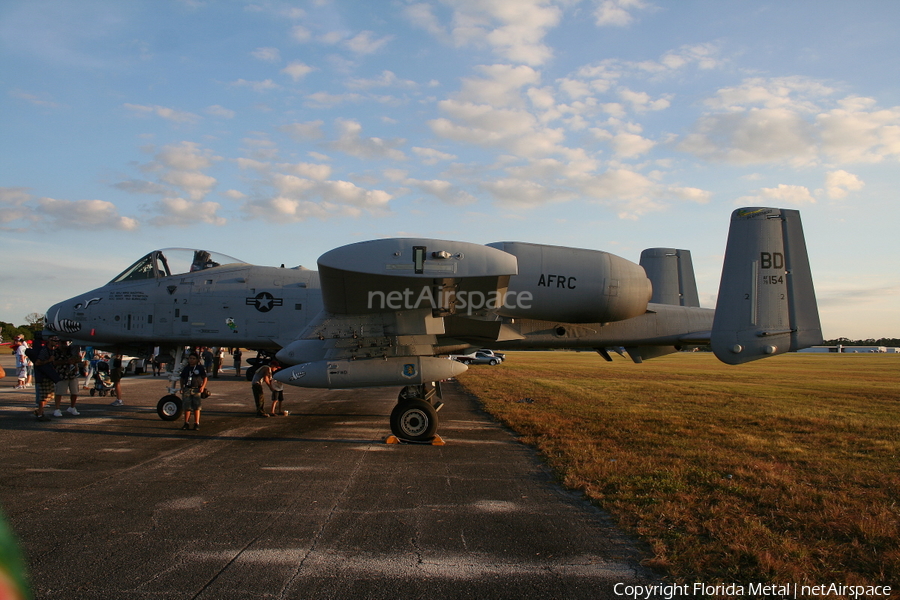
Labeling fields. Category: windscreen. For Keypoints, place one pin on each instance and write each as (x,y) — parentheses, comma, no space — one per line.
(174,261)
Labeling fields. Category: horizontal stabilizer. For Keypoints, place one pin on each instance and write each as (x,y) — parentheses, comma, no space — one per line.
(767,304)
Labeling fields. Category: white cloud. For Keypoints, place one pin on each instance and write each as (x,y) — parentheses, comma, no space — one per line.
(301,34)
(499,85)
(326,100)
(615,13)
(445,191)
(839,183)
(257,86)
(302,132)
(365,42)
(298,70)
(310,170)
(513,29)
(386,79)
(18,205)
(794,120)
(267,54)
(179,212)
(33,99)
(350,141)
(220,112)
(691,194)
(631,145)
(753,136)
(430,156)
(781,195)
(169,114)
(179,166)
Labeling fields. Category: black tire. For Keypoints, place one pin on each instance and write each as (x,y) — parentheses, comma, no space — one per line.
(251,371)
(414,421)
(93,391)
(494,361)
(169,407)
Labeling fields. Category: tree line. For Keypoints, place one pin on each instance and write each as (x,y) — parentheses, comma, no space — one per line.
(34,323)
(892,342)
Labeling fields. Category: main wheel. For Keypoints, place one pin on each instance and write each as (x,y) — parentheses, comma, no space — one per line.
(169,407)
(414,421)
(251,371)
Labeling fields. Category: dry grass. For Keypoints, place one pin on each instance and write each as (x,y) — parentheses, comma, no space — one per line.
(783,471)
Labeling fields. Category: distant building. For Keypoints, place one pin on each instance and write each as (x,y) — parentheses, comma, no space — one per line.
(853,349)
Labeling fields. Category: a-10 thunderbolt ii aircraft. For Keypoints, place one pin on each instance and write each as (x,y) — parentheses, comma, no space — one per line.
(387,312)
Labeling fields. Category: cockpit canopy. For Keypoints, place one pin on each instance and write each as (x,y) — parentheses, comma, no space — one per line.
(173,261)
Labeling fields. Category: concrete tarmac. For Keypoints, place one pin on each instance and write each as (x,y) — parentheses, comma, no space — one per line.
(117,503)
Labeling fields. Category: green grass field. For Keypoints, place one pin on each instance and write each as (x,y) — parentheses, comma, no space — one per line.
(784,470)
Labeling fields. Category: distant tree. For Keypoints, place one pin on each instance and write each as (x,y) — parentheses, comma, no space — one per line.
(35,321)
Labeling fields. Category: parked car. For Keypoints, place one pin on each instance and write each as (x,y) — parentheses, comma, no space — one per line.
(490,352)
(477,358)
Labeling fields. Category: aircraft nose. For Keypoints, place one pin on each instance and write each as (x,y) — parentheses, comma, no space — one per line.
(60,319)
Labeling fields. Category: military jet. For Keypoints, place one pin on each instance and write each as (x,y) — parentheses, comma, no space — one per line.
(389,312)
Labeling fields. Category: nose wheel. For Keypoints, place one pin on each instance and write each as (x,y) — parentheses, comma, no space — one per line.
(414,419)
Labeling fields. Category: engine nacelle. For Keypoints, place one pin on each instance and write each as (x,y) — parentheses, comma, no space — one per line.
(573,285)
(375,372)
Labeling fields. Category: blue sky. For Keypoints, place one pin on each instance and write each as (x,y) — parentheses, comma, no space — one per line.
(274,131)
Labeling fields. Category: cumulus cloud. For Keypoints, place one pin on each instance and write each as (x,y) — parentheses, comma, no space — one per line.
(365,42)
(302,132)
(299,199)
(220,111)
(350,141)
(176,166)
(297,70)
(257,86)
(386,79)
(180,212)
(444,191)
(839,183)
(430,156)
(616,13)
(793,120)
(169,114)
(267,54)
(513,29)
(18,205)
(790,195)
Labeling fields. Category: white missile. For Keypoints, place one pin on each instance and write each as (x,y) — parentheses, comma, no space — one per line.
(373,372)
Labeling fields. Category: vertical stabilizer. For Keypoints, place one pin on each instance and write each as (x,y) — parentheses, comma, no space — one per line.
(671,272)
(767,304)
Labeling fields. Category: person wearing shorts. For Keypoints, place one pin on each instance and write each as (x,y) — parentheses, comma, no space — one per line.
(68,360)
(193,382)
(116,372)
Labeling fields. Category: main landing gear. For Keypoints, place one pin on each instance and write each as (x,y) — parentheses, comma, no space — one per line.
(414,419)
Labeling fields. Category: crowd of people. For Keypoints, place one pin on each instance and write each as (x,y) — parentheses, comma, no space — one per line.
(55,369)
